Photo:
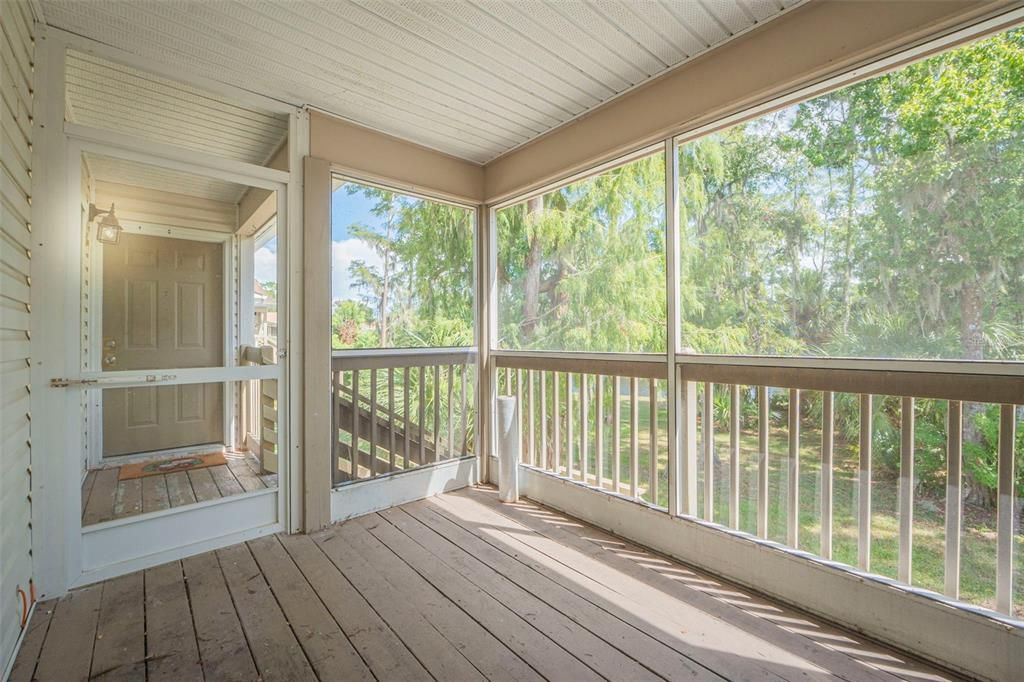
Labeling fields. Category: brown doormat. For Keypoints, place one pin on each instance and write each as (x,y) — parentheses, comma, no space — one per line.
(169,466)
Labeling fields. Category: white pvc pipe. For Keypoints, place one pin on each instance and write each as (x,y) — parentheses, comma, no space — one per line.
(507,422)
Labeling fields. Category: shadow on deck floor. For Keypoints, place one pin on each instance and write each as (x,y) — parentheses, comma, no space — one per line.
(455,587)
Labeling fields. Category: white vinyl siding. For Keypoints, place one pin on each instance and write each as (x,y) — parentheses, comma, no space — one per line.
(16,87)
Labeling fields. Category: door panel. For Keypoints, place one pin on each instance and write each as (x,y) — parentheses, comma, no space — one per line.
(163,308)
(151,418)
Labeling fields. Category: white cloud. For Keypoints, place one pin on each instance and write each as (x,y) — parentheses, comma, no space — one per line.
(265,265)
(342,255)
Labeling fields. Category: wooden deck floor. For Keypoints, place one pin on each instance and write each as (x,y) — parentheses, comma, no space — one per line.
(457,587)
(105,498)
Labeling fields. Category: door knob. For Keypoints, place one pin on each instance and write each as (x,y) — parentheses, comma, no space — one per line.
(109,359)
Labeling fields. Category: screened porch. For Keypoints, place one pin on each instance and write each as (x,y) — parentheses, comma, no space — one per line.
(512,340)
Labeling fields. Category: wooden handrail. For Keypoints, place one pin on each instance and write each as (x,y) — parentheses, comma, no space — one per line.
(982,388)
(640,366)
(378,359)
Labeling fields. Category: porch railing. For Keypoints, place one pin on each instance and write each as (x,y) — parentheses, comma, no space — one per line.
(760,448)
(397,410)
(595,420)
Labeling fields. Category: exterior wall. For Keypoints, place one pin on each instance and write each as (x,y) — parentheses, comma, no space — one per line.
(16,87)
(375,156)
(819,40)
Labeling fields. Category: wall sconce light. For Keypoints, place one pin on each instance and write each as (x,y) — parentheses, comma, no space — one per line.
(108,231)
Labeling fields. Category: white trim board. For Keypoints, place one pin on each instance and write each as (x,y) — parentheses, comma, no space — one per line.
(5,673)
(925,625)
(117,547)
(365,497)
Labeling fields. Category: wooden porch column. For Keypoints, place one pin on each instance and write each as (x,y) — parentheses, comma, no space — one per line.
(316,368)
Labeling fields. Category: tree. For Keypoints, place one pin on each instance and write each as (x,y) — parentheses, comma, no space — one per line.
(349,323)
(425,276)
(376,282)
(583,268)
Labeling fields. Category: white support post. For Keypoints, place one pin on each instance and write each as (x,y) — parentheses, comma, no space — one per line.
(680,400)
(793,488)
(827,443)
(763,429)
(864,485)
(56,480)
(634,438)
(599,435)
(584,427)
(954,461)
(686,455)
(906,490)
(570,434)
(708,423)
(1005,510)
(734,456)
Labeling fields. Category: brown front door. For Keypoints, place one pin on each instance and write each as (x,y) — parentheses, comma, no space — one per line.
(163,309)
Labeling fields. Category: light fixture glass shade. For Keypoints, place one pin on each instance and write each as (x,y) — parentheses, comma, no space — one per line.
(108,231)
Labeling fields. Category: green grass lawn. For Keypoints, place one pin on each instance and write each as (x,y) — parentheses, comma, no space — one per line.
(978,535)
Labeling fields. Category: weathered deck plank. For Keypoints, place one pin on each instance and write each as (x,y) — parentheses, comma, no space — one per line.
(203,485)
(67,652)
(458,587)
(384,652)
(534,634)
(106,497)
(154,494)
(607,559)
(489,654)
(179,489)
(648,652)
(120,649)
(222,647)
(28,656)
(129,498)
(172,652)
(226,482)
(274,647)
(438,655)
(325,645)
(680,627)
(100,506)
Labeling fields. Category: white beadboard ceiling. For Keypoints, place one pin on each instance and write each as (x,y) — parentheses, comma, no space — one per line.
(132,173)
(473,78)
(107,95)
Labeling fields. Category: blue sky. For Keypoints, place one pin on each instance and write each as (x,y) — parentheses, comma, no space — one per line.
(346,209)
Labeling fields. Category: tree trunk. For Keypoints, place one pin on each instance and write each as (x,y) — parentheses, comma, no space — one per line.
(531,285)
(972,341)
